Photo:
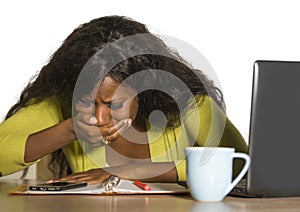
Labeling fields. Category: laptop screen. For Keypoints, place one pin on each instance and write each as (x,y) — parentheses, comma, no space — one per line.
(274,138)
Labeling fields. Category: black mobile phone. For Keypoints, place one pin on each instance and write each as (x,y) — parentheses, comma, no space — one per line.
(56,186)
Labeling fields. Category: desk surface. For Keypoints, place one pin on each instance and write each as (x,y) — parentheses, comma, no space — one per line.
(133,203)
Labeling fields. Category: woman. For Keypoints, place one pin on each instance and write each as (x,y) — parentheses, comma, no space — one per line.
(113,99)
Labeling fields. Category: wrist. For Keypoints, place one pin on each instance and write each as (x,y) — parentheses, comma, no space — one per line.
(69,128)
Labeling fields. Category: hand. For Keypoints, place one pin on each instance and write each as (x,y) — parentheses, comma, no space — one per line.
(151,172)
(92,176)
(85,124)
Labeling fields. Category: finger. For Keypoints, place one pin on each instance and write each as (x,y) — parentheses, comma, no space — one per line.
(92,120)
(88,129)
(86,118)
(118,133)
(72,177)
(121,124)
(89,177)
(95,139)
(101,143)
(88,132)
(86,178)
(109,131)
(95,181)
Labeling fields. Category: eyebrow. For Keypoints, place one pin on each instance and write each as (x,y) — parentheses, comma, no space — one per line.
(116,99)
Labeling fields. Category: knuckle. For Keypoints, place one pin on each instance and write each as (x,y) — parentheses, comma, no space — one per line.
(112,137)
(110,131)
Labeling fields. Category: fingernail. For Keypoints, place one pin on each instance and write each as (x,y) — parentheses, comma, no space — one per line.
(129,122)
(93,120)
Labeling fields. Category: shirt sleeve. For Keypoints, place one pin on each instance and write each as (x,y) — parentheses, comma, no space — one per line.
(15,130)
(208,125)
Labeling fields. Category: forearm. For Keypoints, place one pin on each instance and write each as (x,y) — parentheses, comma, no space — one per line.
(149,172)
(49,140)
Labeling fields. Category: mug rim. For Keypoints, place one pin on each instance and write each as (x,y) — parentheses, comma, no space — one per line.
(209,148)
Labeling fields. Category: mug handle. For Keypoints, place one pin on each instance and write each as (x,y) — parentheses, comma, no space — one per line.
(242,173)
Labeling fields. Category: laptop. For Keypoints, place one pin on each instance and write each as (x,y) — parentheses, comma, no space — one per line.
(274,137)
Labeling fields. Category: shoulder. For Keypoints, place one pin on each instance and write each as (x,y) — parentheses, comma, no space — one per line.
(48,108)
(36,116)
(50,101)
(203,104)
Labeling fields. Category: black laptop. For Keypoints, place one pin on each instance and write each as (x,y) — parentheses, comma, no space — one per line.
(274,138)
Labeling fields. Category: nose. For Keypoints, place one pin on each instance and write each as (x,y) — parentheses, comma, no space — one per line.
(103,115)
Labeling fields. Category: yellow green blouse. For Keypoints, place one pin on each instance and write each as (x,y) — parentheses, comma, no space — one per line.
(203,125)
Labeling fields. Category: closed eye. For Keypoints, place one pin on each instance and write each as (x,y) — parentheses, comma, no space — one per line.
(114,106)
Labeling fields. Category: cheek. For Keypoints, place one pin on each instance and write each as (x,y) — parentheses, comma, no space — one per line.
(129,110)
(134,106)
(120,114)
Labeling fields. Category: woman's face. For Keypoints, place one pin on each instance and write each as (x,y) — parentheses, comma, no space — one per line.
(114,103)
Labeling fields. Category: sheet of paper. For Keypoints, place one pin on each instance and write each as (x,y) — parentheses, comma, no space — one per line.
(124,187)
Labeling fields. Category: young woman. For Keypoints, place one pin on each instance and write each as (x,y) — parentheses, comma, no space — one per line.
(114,99)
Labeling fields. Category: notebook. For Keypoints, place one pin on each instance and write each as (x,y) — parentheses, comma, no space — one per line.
(112,185)
(274,138)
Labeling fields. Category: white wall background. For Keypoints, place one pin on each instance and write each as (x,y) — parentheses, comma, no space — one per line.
(231,34)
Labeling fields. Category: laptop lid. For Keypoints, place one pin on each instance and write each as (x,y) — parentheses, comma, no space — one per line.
(274,137)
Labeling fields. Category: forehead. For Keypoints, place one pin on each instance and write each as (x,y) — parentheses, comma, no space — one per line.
(109,89)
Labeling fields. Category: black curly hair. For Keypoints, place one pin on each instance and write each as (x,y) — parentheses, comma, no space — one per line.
(81,50)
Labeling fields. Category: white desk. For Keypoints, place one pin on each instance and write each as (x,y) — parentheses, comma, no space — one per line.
(133,203)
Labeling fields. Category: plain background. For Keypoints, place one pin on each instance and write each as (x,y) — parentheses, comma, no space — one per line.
(230,34)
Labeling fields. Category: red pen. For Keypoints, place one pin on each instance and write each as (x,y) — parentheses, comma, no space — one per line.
(141,185)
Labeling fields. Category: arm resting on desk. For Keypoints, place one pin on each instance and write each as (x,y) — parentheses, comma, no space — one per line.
(149,172)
